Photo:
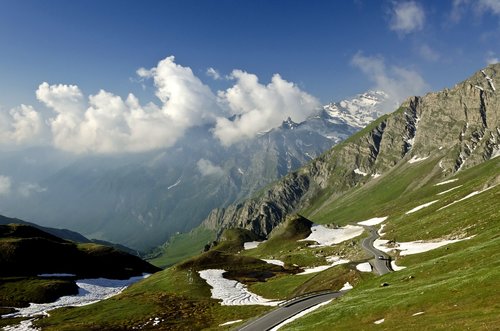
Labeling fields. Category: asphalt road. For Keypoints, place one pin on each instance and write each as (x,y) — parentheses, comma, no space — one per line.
(288,310)
(382,266)
(295,306)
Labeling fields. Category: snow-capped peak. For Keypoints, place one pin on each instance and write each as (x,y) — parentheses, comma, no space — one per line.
(358,111)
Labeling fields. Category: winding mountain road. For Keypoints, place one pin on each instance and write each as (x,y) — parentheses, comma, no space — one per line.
(382,266)
(299,304)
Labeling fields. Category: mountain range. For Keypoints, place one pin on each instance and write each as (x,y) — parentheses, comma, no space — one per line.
(115,198)
(424,180)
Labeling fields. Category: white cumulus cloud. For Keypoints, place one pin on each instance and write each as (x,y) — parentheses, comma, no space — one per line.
(21,125)
(106,123)
(5,184)
(407,17)
(256,107)
(211,72)
(399,83)
(207,168)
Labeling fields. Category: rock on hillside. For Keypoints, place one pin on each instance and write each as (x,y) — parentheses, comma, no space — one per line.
(459,125)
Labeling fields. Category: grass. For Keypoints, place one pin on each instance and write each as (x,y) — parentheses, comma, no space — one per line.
(20,291)
(183,246)
(456,286)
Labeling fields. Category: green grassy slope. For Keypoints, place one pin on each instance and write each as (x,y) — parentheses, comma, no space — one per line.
(182,246)
(455,286)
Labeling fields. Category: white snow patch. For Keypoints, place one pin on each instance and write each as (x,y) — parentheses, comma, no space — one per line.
(359,172)
(419,313)
(230,322)
(364,267)
(376,175)
(326,237)
(90,291)
(373,221)
(421,207)
(396,267)
(56,275)
(231,292)
(380,321)
(380,233)
(241,171)
(347,286)
(470,195)
(446,182)
(451,189)
(275,262)
(333,260)
(413,247)
(301,314)
(26,325)
(416,159)
(251,244)
(175,184)
(440,147)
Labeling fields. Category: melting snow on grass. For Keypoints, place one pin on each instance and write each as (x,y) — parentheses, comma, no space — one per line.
(230,322)
(413,247)
(333,260)
(299,315)
(90,291)
(419,313)
(396,267)
(416,159)
(251,244)
(467,197)
(347,286)
(231,292)
(326,237)
(380,321)
(451,189)
(421,207)
(364,267)
(446,182)
(26,325)
(275,262)
(373,221)
(359,172)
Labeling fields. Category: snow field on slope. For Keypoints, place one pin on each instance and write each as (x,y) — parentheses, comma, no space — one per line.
(251,244)
(326,237)
(275,262)
(231,292)
(421,207)
(373,221)
(333,260)
(90,291)
(413,247)
(364,267)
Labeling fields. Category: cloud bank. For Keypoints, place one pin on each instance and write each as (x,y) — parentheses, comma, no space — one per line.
(106,123)
(399,83)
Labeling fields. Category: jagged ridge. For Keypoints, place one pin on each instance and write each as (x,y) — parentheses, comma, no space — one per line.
(460,125)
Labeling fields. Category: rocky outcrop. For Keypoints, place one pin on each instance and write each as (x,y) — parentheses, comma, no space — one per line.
(460,126)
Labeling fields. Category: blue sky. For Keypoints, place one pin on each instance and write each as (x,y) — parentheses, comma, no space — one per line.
(329,49)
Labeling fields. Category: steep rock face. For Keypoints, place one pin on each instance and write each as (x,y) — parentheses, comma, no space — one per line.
(459,125)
